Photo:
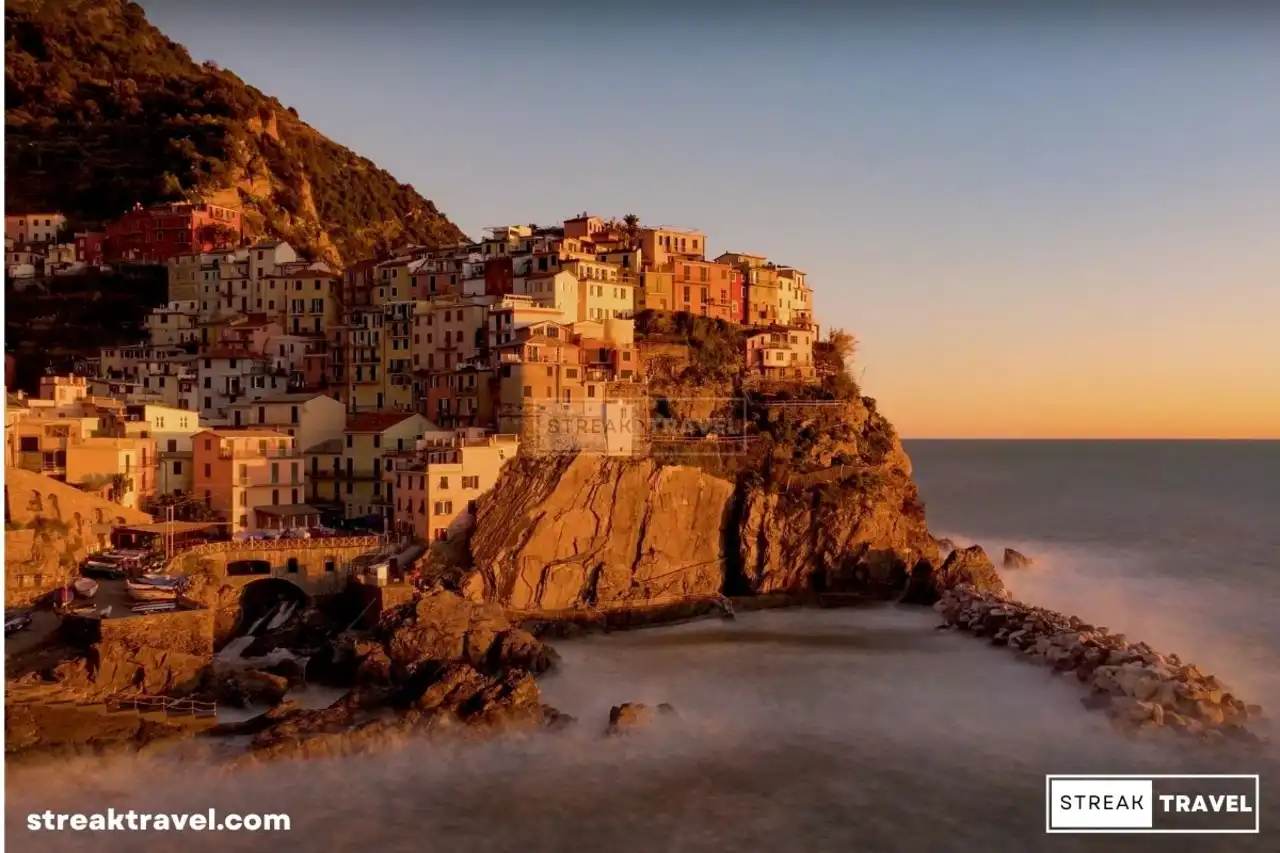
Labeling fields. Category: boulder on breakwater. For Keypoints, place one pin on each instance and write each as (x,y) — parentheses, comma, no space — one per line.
(1016,560)
(964,566)
(1139,688)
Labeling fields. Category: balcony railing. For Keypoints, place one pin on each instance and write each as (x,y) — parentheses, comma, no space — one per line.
(261,453)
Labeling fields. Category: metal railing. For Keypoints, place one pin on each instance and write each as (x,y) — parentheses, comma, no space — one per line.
(143,703)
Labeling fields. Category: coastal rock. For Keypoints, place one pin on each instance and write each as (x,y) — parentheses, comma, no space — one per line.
(822,502)
(443,627)
(628,717)
(963,567)
(518,648)
(1016,560)
(245,687)
(110,669)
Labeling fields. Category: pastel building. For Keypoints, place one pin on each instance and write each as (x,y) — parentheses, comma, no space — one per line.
(364,476)
(34,227)
(782,352)
(437,486)
(254,478)
(124,468)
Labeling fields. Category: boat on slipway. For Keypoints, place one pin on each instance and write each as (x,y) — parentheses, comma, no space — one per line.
(84,587)
(155,587)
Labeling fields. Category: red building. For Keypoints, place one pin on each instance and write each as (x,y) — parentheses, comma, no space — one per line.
(156,234)
(89,247)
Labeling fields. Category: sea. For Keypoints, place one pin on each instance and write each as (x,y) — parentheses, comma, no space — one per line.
(818,730)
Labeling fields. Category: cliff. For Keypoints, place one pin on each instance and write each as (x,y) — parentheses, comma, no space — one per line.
(50,528)
(820,499)
(102,111)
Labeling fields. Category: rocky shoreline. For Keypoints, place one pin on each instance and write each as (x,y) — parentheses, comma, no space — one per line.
(1138,688)
(443,665)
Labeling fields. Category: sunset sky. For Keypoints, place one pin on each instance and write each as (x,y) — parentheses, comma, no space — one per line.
(1036,226)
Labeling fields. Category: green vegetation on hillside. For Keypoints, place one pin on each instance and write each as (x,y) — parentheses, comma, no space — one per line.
(102,111)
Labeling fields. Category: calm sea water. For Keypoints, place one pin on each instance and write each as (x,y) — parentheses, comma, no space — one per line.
(819,731)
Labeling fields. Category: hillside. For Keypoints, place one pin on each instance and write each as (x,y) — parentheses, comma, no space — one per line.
(103,111)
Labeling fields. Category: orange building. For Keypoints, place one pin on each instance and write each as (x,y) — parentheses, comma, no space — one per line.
(253,477)
(706,288)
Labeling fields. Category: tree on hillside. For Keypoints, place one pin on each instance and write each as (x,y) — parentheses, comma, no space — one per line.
(834,361)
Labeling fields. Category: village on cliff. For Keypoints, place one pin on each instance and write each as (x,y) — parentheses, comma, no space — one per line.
(276,395)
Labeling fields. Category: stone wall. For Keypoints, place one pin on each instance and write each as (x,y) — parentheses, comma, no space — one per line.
(50,528)
(189,632)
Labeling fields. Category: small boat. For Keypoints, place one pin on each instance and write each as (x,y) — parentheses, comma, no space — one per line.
(150,591)
(154,607)
(85,587)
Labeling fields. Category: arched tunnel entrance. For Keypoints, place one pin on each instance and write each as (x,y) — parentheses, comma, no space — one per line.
(266,603)
(268,609)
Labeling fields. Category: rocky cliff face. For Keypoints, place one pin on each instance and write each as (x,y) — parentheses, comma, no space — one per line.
(820,500)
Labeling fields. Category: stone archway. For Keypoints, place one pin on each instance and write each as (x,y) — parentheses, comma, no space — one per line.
(261,599)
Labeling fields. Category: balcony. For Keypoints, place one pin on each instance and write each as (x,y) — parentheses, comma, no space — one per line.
(261,453)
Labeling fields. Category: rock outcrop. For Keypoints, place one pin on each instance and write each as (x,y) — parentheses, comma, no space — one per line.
(442,627)
(603,531)
(1137,687)
(51,527)
(1016,560)
(963,567)
(630,716)
(819,499)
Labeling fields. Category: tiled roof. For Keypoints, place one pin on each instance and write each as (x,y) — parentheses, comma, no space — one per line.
(376,421)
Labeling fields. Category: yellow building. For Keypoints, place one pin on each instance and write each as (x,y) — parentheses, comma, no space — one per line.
(558,290)
(310,417)
(436,487)
(365,478)
(656,291)
(662,244)
(795,298)
(363,356)
(124,467)
(312,304)
(605,290)
(171,429)
(392,281)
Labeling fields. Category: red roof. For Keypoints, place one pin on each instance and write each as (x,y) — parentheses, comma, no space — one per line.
(376,421)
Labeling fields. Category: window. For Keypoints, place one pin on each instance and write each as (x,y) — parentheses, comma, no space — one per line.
(292,566)
(444,482)
(244,499)
(208,470)
(471,482)
(330,564)
(244,521)
(377,441)
(275,497)
(350,440)
(177,467)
